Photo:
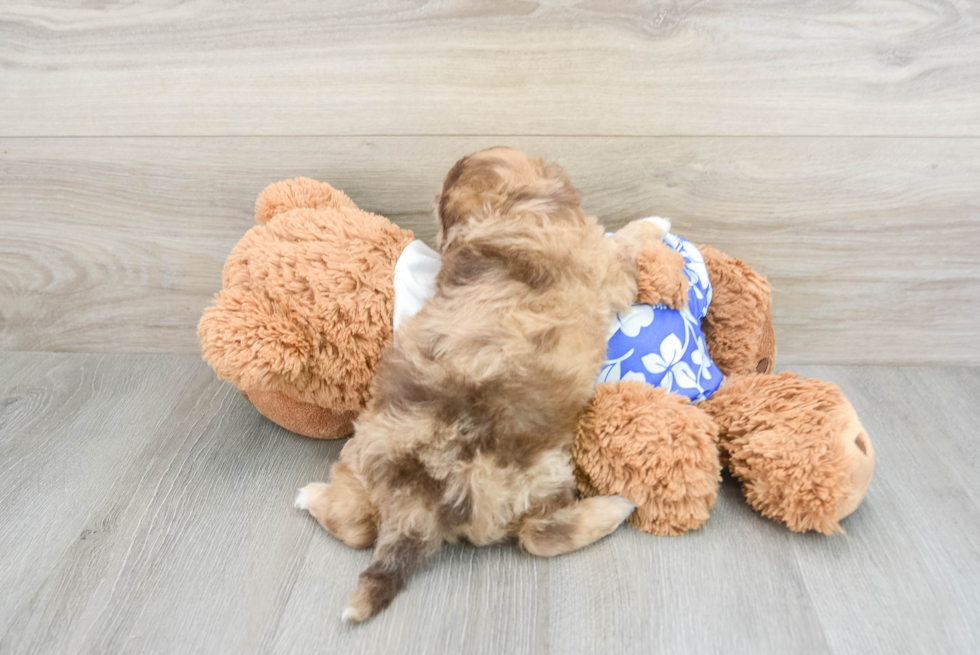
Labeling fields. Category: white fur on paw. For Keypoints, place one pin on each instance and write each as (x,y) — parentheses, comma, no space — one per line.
(302,499)
(350,615)
(626,506)
(659,221)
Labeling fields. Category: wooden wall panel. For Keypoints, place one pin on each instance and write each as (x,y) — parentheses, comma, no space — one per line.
(596,67)
(116,244)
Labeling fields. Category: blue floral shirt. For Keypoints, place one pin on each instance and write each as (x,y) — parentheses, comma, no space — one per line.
(665,347)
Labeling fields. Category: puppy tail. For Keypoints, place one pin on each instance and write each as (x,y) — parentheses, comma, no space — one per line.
(394,560)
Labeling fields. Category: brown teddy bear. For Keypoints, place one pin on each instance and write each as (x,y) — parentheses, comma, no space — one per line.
(307,306)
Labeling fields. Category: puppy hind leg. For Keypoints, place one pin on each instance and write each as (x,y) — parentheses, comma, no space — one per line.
(342,507)
(575,526)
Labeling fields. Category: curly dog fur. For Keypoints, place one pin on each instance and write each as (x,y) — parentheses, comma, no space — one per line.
(473,410)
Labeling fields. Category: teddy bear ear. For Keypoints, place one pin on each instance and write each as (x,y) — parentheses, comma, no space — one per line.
(301,192)
(738,326)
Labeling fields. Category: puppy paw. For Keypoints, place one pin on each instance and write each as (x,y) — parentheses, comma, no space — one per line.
(660,222)
(307,493)
(645,231)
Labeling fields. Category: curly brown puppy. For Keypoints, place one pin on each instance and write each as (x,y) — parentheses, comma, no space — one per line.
(473,410)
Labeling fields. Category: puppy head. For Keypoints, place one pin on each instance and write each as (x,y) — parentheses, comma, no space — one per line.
(506,182)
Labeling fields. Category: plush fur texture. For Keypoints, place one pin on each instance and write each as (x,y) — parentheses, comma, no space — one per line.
(470,425)
(653,447)
(306,311)
(302,192)
(796,444)
(662,278)
(302,418)
(306,305)
(738,327)
(787,439)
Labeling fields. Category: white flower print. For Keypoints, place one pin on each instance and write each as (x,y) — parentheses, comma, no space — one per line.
(700,358)
(684,376)
(632,320)
(612,369)
(695,261)
(694,267)
(690,323)
(669,362)
(635,375)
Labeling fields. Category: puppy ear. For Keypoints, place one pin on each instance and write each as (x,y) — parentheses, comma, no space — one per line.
(461,193)
(448,214)
(557,187)
(502,180)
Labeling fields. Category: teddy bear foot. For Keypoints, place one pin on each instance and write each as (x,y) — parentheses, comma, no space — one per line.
(302,418)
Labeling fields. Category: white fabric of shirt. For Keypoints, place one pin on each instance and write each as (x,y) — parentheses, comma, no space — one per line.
(415,279)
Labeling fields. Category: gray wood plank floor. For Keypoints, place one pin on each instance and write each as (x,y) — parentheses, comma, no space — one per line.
(146,507)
